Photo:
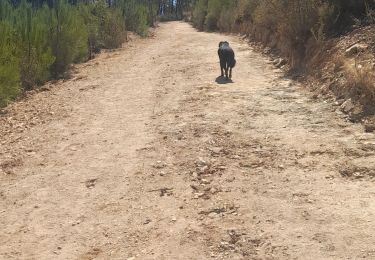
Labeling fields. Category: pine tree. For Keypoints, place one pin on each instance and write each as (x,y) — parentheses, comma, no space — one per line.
(35,54)
(9,64)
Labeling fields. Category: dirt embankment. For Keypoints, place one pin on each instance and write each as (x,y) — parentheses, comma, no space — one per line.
(341,70)
(146,154)
(345,69)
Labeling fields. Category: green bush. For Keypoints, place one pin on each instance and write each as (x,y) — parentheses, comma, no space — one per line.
(136,15)
(112,29)
(91,19)
(68,37)
(39,42)
(34,50)
(105,26)
(199,13)
(9,64)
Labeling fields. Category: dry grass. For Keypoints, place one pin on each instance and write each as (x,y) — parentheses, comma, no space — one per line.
(360,80)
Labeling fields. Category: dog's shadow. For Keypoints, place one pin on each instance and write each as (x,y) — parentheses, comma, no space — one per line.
(223,80)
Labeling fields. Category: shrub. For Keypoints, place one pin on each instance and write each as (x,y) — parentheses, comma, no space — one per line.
(136,16)
(112,30)
(68,36)
(292,26)
(9,64)
(199,13)
(360,81)
(35,54)
(40,39)
(91,20)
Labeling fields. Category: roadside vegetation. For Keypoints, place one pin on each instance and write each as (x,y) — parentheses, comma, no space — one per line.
(293,26)
(306,33)
(40,39)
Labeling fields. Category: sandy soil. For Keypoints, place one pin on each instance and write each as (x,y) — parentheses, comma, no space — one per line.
(142,155)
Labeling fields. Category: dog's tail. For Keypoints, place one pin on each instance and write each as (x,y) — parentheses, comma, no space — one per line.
(232,63)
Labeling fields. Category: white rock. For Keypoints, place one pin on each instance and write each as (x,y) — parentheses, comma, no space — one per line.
(347,106)
(356,48)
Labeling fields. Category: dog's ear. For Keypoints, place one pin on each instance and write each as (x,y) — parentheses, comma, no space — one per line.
(223,43)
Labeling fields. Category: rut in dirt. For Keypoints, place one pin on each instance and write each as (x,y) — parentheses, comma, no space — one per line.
(145,155)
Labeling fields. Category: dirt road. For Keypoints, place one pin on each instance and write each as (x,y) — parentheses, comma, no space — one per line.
(142,155)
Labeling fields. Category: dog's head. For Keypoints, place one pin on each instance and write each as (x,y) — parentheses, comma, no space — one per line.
(223,44)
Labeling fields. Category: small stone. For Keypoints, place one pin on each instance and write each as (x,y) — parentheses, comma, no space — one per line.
(205,181)
(203,169)
(198,195)
(279,62)
(200,162)
(356,48)
(213,215)
(230,179)
(213,190)
(159,165)
(347,106)
(369,127)
(194,187)
(216,150)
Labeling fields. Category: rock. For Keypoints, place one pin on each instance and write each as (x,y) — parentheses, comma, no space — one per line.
(356,114)
(339,102)
(44,88)
(91,183)
(194,187)
(347,106)
(356,48)
(159,165)
(369,127)
(147,221)
(200,162)
(198,195)
(230,179)
(203,170)
(216,150)
(214,190)
(205,181)
(279,62)
(267,50)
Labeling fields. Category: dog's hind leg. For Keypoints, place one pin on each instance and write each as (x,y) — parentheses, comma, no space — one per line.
(222,66)
(230,72)
(226,70)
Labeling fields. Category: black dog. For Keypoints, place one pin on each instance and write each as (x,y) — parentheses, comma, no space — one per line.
(227,61)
